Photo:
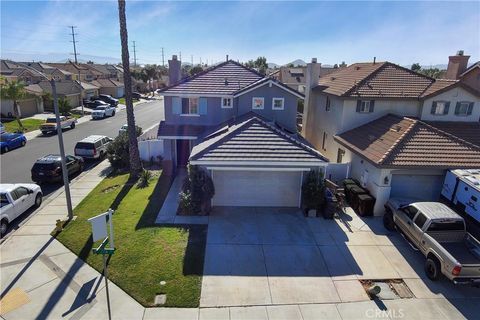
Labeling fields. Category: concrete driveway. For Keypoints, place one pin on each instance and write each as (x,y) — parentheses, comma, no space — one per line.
(269,256)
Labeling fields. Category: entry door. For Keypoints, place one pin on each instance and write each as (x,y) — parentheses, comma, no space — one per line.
(257,188)
(183,152)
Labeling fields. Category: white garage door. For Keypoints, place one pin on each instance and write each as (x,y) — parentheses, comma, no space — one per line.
(423,187)
(257,188)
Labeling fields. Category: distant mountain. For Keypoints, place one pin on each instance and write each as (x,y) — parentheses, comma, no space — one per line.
(298,62)
(59,57)
(272,65)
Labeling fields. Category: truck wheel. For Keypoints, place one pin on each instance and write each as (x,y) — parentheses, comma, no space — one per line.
(388,222)
(44,133)
(38,200)
(3,227)
(5,150)
(113,113)
(72,126)
(433,268)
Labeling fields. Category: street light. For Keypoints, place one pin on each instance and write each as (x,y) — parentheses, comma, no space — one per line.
(60,140)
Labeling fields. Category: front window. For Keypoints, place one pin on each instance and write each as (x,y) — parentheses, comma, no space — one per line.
(227,103)
(51,120)
(462,109)
(440,107)
(257,103)
(278,103)
(365,106)
(190,106)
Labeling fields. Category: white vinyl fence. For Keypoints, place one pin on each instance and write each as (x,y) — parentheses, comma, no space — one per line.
(337,171)
(149,146)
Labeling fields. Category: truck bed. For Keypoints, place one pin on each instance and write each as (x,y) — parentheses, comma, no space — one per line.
(461,251)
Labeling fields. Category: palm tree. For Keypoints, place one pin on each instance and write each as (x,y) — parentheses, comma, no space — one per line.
(64,106)
(135,164)
(14,90)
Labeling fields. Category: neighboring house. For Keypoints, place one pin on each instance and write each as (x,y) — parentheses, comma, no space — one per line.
(107,71)
(110,86)
(89,90)
(49,71)
(31,105)
(294,77)
(457,70)
(241,126)
(79,71)
(14,71)
(362,96)
(71,90)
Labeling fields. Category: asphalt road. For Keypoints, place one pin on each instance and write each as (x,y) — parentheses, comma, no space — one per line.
(16,164)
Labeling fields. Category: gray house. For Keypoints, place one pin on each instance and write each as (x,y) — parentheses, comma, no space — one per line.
(241,126)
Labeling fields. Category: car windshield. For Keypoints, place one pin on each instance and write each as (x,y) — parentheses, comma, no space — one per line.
(3,200)
(51,120)
(45,166)
(100,108)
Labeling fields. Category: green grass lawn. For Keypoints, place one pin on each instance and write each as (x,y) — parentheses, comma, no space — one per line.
(28,124)
(146,253)
(122,100)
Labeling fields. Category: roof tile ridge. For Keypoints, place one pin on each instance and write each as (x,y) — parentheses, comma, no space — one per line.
(449,134)
(381,65)
(395,145)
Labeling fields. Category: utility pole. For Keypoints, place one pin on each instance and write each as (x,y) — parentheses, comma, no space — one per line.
(180,56)
(163,59)
(134,55)
(192,59)
(74,43)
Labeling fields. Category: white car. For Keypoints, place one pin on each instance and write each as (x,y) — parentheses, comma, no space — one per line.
(102,112)
(123,129)
(15,200)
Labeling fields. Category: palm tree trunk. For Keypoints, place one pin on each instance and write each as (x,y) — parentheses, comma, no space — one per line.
(16,113)
(135,164)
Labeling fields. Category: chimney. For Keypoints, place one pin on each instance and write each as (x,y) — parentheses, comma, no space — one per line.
(457,64)
(227,57)
(374,60)
(311,81)
(174,70)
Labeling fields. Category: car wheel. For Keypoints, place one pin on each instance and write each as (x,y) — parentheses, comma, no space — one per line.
(80,168)
(3,227)
(113,113)
(432,268)
(38,200)
(24,143)
(388,222)
(5,150)
(72,126)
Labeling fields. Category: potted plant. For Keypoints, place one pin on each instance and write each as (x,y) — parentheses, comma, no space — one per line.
(313,192)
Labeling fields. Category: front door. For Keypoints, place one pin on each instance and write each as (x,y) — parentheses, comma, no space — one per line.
(183,152)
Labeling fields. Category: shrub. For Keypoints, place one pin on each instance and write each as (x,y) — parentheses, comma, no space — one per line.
(64,106)
(198,189)
(143,181)
(117,151)
(313,190)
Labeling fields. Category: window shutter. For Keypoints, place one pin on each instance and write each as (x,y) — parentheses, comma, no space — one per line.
(470,108)
(359,105)
(434,107)
(457,108)
(176,105)
(372,104)
(202,106)
(447,106)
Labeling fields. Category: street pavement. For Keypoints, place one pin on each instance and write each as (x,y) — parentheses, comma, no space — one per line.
(16,164)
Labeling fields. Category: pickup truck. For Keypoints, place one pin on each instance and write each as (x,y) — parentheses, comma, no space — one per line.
(439,233)
(50,124)
(101,112)
(15,200)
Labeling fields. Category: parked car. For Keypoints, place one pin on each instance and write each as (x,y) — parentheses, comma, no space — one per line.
(9,141)
(93,147)
(136,95)
(15,200)
(102,112)
(108,99)
(50,124)
(2,128)
(49,168)
(440,234)
(95,103)
(123,129)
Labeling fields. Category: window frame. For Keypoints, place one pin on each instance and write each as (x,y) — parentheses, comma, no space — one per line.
(437,103)
(407,211)
(278,99)
(253,103)
(363,104)
(424,217)
(467,103)
(328,104)
(189,106)
(224,106)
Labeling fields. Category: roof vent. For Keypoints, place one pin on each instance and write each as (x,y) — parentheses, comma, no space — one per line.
(357,68)
(332,78)
(460,53)
(226,81)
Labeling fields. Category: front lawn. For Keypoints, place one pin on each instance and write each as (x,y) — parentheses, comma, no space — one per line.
(28,124)
(146,253)
(122,100)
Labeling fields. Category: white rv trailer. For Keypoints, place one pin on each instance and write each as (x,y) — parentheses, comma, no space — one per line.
(462,189)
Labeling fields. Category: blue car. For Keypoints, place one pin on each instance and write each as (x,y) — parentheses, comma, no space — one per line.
(9,141)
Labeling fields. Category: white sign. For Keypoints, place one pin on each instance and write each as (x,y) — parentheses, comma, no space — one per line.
(99,227)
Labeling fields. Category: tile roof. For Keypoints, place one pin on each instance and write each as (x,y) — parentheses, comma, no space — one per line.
(64,87)
(296,75)
(468,131)
(107,83)
(266,80)
(255,140)
(224,78)
(401,142)
(439,85)
(375,80)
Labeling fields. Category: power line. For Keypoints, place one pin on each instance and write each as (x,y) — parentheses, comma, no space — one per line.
(74,43)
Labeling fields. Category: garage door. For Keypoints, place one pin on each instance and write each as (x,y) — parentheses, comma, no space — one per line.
(256,188)
(424,187)
(28,108)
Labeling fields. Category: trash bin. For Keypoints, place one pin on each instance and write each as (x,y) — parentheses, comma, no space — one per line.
(349,181)
(354,193)
(348,191)
(365,205)
(331,205)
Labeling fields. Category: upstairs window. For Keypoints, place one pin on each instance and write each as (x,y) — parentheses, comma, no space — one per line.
(440,108)
(365,106)
(278,103)
(227,103)
(258,103)
(464,108)
(190,106)
(327,104)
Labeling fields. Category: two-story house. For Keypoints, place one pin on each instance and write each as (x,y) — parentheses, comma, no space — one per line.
(385,120)
(241,126)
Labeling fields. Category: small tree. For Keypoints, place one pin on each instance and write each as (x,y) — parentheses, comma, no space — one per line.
(313,190)
(14,90)
(196,69)
(416,67)
(118,152)
(64,106)
(197,191)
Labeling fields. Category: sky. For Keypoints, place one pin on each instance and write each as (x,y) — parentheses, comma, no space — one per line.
(401,32)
